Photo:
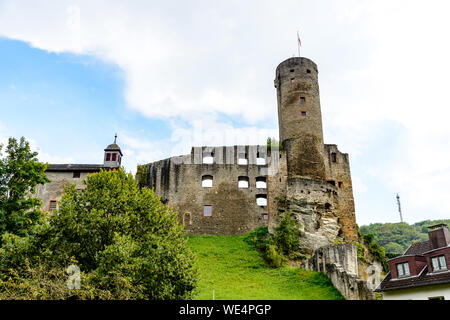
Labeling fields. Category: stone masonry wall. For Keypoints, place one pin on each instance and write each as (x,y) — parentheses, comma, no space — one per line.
(340,264)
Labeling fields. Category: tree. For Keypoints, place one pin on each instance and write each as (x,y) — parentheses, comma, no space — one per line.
(20,173)
(127,244)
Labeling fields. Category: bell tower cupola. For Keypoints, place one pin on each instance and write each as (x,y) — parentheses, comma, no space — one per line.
(113,155)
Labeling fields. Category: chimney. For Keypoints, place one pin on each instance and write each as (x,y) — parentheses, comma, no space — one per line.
(439,236)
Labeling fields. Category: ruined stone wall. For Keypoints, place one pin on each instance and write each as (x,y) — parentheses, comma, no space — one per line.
(178,181)
(340,264)
(337,168)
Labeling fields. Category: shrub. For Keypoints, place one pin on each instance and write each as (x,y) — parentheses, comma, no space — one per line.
(287,234)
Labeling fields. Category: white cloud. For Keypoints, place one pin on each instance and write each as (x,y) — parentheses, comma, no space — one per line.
(379,61)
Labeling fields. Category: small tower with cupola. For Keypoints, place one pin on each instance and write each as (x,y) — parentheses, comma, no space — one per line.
(113,155)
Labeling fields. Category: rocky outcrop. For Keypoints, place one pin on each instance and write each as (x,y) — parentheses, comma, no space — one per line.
(340,264)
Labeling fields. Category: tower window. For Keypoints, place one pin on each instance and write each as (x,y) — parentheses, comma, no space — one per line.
(308,71)
(332,182)
(292,80)
(76,174)
(302,99)
(108,157)
(292,70)
(207,211)
(114,156)
(304,113)
(207,181)
(265,216)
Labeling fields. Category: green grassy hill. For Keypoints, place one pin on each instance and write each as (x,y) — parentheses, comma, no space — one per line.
(236,270)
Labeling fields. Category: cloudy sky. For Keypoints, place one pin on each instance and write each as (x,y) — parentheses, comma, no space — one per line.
(166,75)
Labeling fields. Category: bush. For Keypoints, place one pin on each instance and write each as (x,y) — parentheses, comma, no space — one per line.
(273,257)
(287,234)
(126,243)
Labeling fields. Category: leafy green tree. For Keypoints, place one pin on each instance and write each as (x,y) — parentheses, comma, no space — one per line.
(127,244)
(20,173)
(287,234)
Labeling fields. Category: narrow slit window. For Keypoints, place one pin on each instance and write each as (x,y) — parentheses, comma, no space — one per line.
(302,99)
(304,113)
(207,181)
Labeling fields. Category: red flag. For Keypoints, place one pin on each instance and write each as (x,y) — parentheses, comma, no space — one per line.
(299,41)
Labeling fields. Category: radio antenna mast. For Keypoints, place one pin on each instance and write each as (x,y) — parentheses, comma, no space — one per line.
(399,207)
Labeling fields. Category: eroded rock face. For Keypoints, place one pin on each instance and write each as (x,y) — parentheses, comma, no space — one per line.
(314,204)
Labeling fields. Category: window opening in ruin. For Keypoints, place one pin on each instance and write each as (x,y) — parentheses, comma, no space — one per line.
(292,80)
(327,206)
(76,174)
(265,216)
(302,99)
(108,157)
(261,200)
(308,71)
(439,263)
(332,182)
(304,113)
(261,183)
(292,70)
(340,184)
(208,160)
(207,211)
(53,205)
(333,157)
(243,182)
(260,160)
(242,160)
(207,181)
(403,269)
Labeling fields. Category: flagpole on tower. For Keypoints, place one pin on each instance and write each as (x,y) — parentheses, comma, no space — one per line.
(299,43)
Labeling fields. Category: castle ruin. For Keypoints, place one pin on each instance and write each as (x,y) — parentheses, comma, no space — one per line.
(232,190)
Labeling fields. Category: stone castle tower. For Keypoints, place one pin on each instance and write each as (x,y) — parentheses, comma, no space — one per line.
(300,118)
(232,190)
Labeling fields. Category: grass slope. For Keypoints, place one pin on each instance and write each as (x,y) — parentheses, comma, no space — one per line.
(237,271)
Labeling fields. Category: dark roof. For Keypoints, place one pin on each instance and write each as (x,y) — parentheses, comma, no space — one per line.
(76,167)
(113,146)
(419,248)
(424,279)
